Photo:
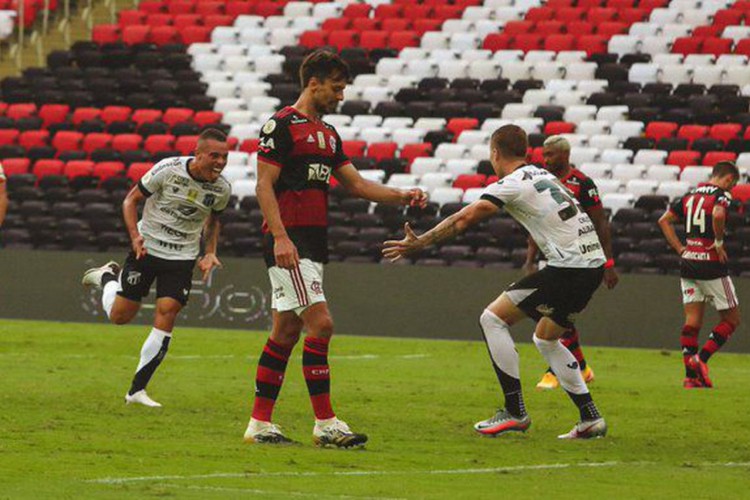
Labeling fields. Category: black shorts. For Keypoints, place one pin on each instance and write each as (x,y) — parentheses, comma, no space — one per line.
(174,278)
(555,292)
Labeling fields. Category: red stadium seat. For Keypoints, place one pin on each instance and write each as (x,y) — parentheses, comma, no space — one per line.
(555,128)
(141,116)
(496,41)
(418,11)
(725,132)
(16,166)
(127,142)
(652,4)
(717,46)
(9,137)
(385,11)
(138,170)
(67,140)
(3,108)
(180,7)
(195,34)
(444,12)
(204,118)
(728,17)
(154,20)
(580,28)
(186,144)
(106,33)
(467,3)
(519,27)
(182,21)
(559,43)
(373,39)
(152,7)
(43,168)
(422,26)
(53,113)
(21,110)
(660,130)
(205,8)
(714,157)
(249,145)
(131,18)
(78,168)
(683,158)
(216,20)
(411,151)
(592,44)
(491,179)
(599,15)
(570,14)
(364,24)
(81,115)
(558,4)
(401,39)
(635,15)
(33,138)
(96,140)
(136,34)
(268,9)
(240,8)
(468,181)
(692,132)
(392,24)
(354,149)
(382,150)
(343,39)
(743,47)
(116,114)
(707,31)
(357,10)
(458,125)
(687,45)
(741,192)
(548,28)
(232,143)
(589,4)
(163,35)
(314,39)
(537,14)
(609,29)
(536,156)
(106,169)
(620,4)
(338,23)
(527,42)
(177,115)
(159,142)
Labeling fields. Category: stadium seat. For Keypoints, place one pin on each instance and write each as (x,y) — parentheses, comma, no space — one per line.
(684,158)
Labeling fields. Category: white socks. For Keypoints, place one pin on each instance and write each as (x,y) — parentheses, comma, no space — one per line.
(109,294)
(500,343)
(152,346)
(563,363)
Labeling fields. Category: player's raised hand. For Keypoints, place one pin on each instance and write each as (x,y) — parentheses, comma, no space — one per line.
(285,253)
(207,263)
(415,198)
(395,249)
(139,248)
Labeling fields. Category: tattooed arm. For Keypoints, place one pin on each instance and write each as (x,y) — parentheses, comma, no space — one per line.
(448,228)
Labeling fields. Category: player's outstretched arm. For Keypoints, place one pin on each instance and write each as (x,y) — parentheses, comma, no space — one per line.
(283,248)
(130,216)
(449,228)
(211,239)
(666,222)
(349,177)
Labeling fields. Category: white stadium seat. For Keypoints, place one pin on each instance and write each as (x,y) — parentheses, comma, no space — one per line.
(640,187)
(596,170)
(628,172)
(443,195)
(650,157)
(616,201)
(663,173)
(242,188)
(672,189)
(433,180)
(448,151)
(694,175)
(424,165)
(461,166)
(472,194)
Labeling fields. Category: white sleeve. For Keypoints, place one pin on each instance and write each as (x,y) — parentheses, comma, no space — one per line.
(153,180)
(502,192)
(224,200)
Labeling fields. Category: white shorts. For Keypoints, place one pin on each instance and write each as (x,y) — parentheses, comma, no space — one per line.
(296,289)
(720,291)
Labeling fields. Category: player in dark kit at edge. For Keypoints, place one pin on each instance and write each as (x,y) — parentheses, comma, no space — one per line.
(297,155)
(704,274)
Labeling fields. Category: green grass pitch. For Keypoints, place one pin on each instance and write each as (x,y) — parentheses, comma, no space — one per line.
(66,432)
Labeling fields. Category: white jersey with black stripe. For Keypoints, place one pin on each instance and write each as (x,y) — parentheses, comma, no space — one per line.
(551,214)
(177,208)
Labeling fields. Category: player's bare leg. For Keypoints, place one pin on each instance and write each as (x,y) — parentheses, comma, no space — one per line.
(729,321)
(153,351)
(564,364)
(694,312)
(119,310)
(269,377)
(328,430)
(496,321)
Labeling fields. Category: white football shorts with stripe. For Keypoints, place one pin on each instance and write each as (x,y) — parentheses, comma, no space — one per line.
(720,291)
(296,289)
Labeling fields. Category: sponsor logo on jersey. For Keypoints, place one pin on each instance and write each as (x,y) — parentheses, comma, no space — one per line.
(209,199)
(689,292)
(310,139)
(187,210)
(134,277)
(332,143)
(266,144)
(278,292)
(318,172)
(296,120)
(178,180)
(591,247)
(317,287)
(696,255)
(170,246)
(586,230)
(269,127)
(173,232)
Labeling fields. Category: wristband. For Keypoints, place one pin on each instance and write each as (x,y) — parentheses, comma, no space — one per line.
(718,243)
(609,264)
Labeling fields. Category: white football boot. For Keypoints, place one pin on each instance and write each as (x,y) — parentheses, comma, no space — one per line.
(141,398)
(587,429)
(264,433)
(335,433)
(93,277)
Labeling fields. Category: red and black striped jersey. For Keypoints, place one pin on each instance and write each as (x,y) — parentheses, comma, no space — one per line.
(307,151)
(583,189)
(695,209)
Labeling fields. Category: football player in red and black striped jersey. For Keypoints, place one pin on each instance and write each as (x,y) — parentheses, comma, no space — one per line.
(298,154)
(703,268)
(556,154)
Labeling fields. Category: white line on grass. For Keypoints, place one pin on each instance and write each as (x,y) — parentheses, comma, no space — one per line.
(272,492)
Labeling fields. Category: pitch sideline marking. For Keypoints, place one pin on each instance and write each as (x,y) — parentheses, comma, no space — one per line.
(271,492)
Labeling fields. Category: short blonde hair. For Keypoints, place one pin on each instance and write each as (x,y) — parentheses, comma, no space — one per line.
(557,141)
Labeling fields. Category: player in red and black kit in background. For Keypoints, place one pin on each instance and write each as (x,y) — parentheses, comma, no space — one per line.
(556,153)
(703,268)
(298,153)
